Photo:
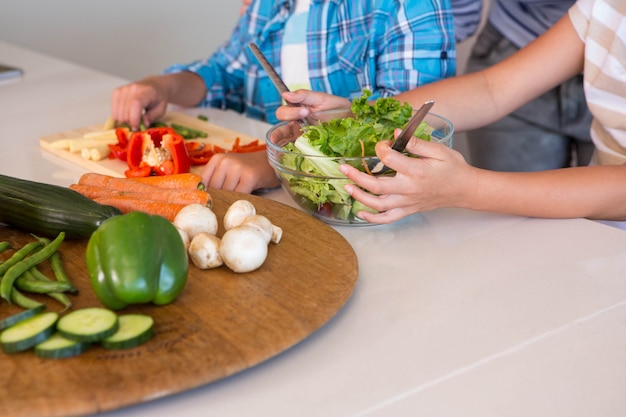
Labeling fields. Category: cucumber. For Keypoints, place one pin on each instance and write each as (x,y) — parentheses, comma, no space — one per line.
(28,333)
(49,209)
(88,324)
(23,315)
(134,330)
(57,347)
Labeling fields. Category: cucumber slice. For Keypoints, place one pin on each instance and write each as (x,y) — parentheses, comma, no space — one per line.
(88,324)
(134,330)
(28,333)
(23,315)
(57,347)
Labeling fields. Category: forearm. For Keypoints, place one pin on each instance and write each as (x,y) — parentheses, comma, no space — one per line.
(477,99)
(182,88)
(597,192)
(465,100)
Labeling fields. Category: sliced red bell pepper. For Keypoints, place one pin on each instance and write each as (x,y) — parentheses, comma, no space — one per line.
(253,146)
(200,153)
(143,171)
(161,149)
(118,150)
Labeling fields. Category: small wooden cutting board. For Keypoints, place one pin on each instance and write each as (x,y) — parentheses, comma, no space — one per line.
(222,323)
(217,135)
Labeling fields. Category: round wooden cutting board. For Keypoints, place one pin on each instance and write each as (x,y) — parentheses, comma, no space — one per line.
(222,323)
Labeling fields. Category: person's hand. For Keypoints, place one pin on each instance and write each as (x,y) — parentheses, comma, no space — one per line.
(244,6)
(241,172)
(141,101)
(438,178)
(312,105)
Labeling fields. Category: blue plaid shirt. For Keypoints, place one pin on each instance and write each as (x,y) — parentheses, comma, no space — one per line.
(384,46)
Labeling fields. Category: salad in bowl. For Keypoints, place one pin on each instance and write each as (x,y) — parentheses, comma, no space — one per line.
(307,158)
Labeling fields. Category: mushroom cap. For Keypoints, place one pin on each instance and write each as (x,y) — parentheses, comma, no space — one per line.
(237,212)
(196,218)
(243,249)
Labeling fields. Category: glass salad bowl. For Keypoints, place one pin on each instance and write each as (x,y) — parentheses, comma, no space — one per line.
(313,180)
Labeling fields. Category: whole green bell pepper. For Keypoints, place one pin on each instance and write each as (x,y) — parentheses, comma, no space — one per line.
(136,258)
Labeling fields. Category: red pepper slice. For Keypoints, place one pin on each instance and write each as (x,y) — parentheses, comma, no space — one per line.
(143,171)
(122,136)
(200,153)
(118,150)
(161,138)
(180,162)
(136,148)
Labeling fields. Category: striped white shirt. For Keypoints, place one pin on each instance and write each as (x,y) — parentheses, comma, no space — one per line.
(601,24)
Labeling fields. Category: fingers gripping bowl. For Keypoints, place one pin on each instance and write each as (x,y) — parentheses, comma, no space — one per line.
(313,180)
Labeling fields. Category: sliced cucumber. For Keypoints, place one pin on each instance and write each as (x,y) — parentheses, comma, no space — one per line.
(134,330)
(57,347)
(28,333)
(88,324)
(23,315)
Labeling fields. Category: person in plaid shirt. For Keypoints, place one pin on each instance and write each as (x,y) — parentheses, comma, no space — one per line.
(342,48)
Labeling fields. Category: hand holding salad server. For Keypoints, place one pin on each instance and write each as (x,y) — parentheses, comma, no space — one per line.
(312,162)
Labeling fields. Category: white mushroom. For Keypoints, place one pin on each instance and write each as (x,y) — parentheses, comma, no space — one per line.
(237,212)
(243,248)
(185,237)
(204,251)
(196,218)
(271,232)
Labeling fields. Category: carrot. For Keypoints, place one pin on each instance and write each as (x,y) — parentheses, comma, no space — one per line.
(127,204)
(186,181)
(165,195)
(143,184)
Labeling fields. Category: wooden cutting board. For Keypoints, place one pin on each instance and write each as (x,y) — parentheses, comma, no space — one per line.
(217,135)
(222,323)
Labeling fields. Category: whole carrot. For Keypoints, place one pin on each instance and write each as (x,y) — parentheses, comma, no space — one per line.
(165,195)
(127,204)
(186,181)
(144,184)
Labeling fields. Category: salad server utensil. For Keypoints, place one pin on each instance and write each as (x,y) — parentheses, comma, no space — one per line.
(376,167)
(271,72)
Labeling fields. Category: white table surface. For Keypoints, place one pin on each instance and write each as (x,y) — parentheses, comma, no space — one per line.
(455,313)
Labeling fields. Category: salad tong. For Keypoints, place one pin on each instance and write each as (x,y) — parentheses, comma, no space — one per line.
(376,167)
(282,88)
(271,72)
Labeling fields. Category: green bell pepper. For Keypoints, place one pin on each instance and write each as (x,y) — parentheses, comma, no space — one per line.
(136,258)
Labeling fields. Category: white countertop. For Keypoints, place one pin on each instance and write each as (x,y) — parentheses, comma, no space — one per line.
(455,313)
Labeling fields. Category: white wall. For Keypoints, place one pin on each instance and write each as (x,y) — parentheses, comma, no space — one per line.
(127,38)
(131,38)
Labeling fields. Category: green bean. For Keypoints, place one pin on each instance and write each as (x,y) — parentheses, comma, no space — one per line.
(5,245)
(22,300)
(18,256)
(203,117)
(25,264)
(26,282)
(188,132)
(58,296)
(37,274)
(57,266)
(61,298)
(158,124)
